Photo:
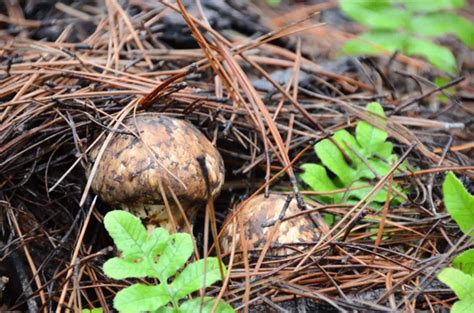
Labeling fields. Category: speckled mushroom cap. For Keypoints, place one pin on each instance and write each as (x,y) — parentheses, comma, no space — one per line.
(260,211)
(166,148)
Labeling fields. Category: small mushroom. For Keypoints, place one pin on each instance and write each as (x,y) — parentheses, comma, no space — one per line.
(260,215)
(154,150)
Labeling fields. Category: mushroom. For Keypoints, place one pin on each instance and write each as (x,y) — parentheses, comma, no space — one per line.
(156,154)
(260,215)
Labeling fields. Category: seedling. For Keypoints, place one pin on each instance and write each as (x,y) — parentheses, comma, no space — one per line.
(459,203)
(371,156)
(460,278)
(408,26)
(160,256)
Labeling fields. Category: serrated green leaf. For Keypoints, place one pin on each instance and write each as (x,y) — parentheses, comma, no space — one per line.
(349,144)
(138,248)
(369,137)
(385,150)
(316,177)
(360,190)
(139,297)
(156,242)
(378,168)
(439,56)
(375,42)
(334,160)
(205,305)
(192,277)
(432,5)
(117,268)
(127,232)
(459,203)
(465,262)
(371,157)
(463,286)
(377,14)
(441,23)
(155,255)
(175,255)
(381,167)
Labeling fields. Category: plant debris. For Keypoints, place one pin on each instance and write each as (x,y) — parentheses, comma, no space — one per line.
(264,91)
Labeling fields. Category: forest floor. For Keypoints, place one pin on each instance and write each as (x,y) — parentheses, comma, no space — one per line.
(264,84)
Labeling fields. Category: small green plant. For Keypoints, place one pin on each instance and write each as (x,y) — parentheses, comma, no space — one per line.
(160,256)
(459,203)
(460,278)
(408,26)
(371,156)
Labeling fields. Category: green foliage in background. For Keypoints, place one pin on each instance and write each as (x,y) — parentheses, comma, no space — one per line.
(408,26)
(460,278)
(161,256)
(371,156)
(273,3)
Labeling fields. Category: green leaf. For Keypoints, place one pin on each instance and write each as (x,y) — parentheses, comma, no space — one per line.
(379,166)
(371,157)
(192,277)
(432,5)
(385,150)
(127,232)
(316,177)
(139,297)
(439,56)
(117,268)
(463,286)
(360,191)
(441,23)
(375,42)
(138,248)
(459,203)
(166,309)
(333,159)
(465,261)
(175,255)
(377,169)
(377,14)
(205,305)
(441,81)
(156,255)
(368,136)
(156,242)
(273,2)
(329,219)
(349,144)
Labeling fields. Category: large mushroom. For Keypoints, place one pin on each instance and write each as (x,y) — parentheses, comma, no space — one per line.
(257,218)
(156,155)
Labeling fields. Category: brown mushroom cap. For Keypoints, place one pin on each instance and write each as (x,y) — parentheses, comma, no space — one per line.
(166,149)
(260,211)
